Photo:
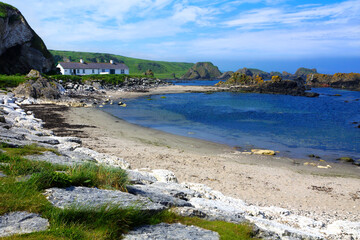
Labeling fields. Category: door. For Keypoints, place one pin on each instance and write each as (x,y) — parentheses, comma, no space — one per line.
(112,71)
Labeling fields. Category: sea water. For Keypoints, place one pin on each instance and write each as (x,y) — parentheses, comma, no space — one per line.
(295,126)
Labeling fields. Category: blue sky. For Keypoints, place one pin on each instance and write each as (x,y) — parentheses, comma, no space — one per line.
(279,35)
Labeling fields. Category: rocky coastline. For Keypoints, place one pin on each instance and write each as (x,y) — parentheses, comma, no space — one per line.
(19,127)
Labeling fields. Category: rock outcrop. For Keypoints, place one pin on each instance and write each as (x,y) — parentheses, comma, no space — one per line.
(226,75)
(254,72)
(21,223)
(21,49)
(338,80)
(300,73)
(304,72)
(202,70)
(287,87)
(177,231)
(39,87)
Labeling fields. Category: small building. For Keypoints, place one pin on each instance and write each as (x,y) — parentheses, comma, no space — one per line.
(83,68)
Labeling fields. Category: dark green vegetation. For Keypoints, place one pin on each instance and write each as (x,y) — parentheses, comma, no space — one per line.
(11,81)
(18,193)
(32,149)
(3,7)
(160,69)
(113,79)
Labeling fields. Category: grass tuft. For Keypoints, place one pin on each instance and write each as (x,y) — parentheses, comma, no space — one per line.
(106,222)
(32,149)
(227,231)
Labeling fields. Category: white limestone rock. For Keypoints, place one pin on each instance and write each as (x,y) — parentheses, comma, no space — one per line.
(104,158)
(177,231)
(21,223)
(140,177)
(344,228)
(95,198)
(164,176)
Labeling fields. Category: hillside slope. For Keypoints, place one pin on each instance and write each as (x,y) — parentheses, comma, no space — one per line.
(161,69)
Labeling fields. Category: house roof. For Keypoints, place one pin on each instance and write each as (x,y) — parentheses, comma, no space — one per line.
(78,65)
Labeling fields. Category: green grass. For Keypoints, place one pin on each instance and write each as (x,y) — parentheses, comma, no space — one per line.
(106,222)
(32,149)
(161,69)
(113,79)
(227,231)
(11,81)
(47,175)
(91,175)
(3,11)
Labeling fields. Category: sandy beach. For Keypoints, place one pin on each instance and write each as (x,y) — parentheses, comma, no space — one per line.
(260,180)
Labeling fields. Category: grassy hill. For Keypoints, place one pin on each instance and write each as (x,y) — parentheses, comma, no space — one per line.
(161,69)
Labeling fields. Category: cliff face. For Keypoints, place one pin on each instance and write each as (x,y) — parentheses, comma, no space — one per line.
(202,70)
(21,49)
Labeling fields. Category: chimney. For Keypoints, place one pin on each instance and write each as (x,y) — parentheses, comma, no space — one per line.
(81,60)
(111,61)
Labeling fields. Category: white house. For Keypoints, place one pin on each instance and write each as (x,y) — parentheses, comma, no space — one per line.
(83,68)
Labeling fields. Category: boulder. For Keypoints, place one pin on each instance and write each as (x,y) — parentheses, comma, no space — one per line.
(169,194)
(95,198)
(21,223)
(140,177)
(177,231)
(39,88)
(21,49)
(156,195)
(164,176)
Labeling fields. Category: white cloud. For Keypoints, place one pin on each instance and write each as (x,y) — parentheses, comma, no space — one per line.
(182,29)
(276,17)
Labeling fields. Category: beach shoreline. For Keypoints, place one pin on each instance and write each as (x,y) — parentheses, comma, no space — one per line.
(260,180)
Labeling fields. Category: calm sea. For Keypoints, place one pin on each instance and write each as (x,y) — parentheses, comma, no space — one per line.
(295,126)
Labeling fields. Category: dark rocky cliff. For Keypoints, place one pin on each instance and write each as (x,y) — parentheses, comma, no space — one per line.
(21,49)
(202,70)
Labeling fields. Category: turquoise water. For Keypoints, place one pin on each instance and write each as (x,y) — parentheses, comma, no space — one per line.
(295,126)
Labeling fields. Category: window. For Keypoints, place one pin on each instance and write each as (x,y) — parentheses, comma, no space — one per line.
(122,71)
(103,70)
(65,70)
(83,70)
(78,70)
(93,71)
